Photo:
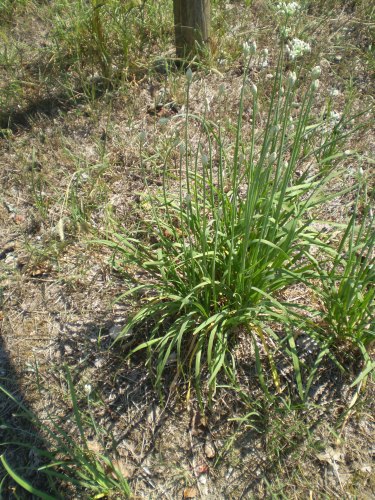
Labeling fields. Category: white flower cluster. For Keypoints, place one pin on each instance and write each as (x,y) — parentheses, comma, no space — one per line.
(288,8)
(249,48)
(296,48)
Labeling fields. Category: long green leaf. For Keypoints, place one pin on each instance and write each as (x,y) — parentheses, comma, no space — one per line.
(23,483)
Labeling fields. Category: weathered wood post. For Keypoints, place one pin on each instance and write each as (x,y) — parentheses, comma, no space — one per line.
(192,19)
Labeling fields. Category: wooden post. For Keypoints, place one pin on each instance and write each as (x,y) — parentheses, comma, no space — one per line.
(192,20)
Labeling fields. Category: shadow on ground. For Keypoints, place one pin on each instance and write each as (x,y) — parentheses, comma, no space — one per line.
(18,435)
(160,443)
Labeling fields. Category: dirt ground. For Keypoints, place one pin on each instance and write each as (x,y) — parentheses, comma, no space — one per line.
(67,169)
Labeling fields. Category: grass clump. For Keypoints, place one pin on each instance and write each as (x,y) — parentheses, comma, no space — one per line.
(237,230)
(106,39)
(346,287)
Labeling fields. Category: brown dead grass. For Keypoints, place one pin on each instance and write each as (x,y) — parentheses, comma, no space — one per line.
(56,297)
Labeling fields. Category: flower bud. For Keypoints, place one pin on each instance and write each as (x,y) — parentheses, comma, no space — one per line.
(88,389)
(316,72)
(253,47)
(272,157)
(246,49)
(189,75)
(292,78)
(249,48)
(315,85)
(253,89)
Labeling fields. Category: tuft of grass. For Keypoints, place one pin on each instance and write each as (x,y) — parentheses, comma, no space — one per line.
(238,229)
(106,39)
(346,287)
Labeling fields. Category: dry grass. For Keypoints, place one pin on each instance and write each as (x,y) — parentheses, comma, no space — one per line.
(70,164)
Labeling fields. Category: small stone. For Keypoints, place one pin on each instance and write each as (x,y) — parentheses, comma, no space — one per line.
(203,479)
(67,349)
(10,259)
(99,363)
(229,473)
(334,92)
(115,331)
(209,449)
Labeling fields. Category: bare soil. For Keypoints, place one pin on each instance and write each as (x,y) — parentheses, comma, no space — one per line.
(57,294)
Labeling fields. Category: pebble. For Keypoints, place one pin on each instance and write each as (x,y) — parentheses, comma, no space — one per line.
(229,473)
(99,363)
(68,349)
(114,331)
(209,449)
(203,479)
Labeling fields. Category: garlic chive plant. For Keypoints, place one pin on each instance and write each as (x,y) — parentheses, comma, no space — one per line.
(346,286)
(220,248)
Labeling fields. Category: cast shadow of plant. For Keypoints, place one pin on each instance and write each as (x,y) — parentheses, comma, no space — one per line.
(18,435)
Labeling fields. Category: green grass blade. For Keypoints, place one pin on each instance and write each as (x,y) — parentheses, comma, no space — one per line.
(24,484)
